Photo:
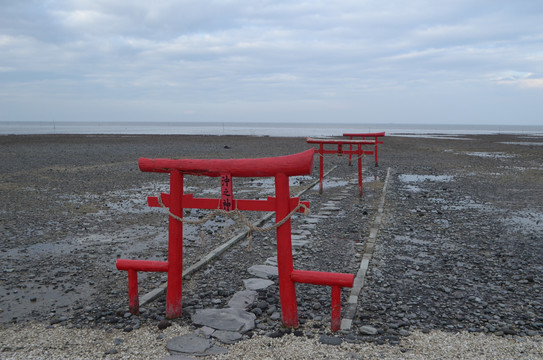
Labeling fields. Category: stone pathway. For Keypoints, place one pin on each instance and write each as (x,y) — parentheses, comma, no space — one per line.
(228,325)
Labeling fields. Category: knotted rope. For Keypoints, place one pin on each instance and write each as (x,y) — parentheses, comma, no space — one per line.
(241,217)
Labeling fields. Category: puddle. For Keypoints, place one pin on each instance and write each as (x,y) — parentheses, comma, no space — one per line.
(526,221)
(331,183)
(413,188)
(495,155)
(526,143)
(39,299)
(432,136)
(409,178)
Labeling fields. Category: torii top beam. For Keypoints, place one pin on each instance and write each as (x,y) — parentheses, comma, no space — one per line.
(289,165)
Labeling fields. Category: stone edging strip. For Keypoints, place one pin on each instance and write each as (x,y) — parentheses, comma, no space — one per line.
(352,302)
(155,293)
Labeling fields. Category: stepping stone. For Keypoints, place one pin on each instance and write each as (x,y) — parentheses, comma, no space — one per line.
(188,344)
(228,319)
(272,261)
(263,271)
(312,220)
(257,283)
(227,337)
(301,243)
(308,226)
(178,356)
(243,299)
(206,331)
(298,237)
(329,340)
(331,208)
(301,231)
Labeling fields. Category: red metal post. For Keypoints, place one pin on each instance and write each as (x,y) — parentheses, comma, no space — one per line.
(360,170)
(174,300)
(336,308)
(321,166)
(287,289)
(350,149)
(133,296)
(376,161)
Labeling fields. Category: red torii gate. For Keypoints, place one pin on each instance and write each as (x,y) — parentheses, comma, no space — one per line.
(340,151)
(278,167)
(364,136)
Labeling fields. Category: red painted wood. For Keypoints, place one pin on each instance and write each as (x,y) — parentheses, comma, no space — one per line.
(335,280)
(290,165)
(133,296)
(339,141)
(142,265)
(322,278)
(360,192)
(359,152)
(379,134)
(336,308)
(287,290)
(321,166)
(174,295)
(364,136)
(190,202)
(282,204)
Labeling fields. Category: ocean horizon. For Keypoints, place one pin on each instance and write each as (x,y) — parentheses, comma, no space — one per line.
(256,129)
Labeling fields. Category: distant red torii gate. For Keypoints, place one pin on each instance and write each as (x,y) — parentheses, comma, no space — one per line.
(340,151)
(376,136)
(278,167)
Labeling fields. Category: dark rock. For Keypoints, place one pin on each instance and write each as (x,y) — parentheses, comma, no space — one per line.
(329,340)
(163,324)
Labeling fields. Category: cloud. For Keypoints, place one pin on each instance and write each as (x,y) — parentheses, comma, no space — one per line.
(298,52)
(519,79)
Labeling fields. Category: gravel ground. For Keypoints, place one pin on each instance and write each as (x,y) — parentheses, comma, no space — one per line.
(456,271)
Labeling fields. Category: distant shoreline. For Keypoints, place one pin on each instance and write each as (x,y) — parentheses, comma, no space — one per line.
(254,129)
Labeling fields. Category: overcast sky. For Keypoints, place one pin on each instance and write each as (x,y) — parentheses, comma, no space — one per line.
(413,61)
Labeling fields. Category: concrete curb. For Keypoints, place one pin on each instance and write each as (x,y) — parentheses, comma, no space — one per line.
(359,280)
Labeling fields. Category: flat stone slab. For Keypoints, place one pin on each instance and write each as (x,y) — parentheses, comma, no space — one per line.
(263,271)
(188,344)
(257,283)
(244,299)
(227,337)
(301,231)
(272,261)
(228,319)
(179,356)
(329,340)
(301,243)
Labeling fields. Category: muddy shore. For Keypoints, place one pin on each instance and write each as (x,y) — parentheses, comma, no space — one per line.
(459,250)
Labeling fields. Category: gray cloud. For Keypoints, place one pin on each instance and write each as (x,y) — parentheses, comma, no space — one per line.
(234,60)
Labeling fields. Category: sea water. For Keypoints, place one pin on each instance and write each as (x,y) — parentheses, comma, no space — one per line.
(256,128)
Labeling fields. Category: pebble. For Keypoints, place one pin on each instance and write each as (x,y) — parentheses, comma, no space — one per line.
(368,330)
